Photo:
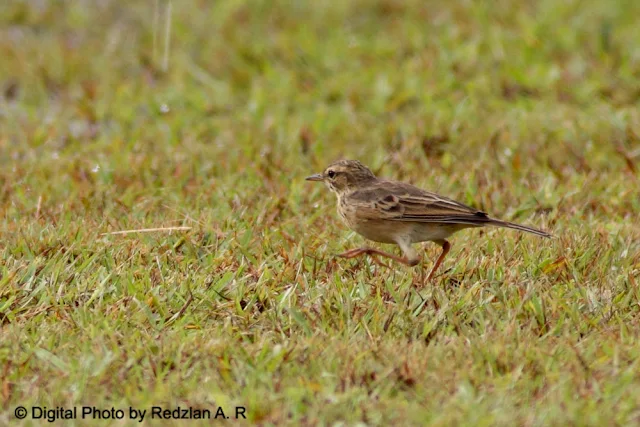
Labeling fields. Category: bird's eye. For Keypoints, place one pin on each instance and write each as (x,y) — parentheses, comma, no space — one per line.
(331,174)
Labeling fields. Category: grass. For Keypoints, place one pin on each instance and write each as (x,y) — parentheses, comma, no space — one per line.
(528,110)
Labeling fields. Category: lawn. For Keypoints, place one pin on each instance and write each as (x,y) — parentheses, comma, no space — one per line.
(201,119)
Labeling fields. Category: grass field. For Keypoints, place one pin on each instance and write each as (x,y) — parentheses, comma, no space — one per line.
(525,109)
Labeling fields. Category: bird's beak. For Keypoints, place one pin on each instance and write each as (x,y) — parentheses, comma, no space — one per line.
(315,177)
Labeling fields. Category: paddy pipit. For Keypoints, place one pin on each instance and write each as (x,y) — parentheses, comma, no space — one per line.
(395,212)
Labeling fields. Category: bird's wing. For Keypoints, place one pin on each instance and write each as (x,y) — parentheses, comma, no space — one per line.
(396,201)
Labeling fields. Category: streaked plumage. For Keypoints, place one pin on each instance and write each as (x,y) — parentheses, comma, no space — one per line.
(395,212)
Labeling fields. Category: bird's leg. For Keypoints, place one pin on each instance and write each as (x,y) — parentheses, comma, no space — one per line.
(445,250)
(370,251)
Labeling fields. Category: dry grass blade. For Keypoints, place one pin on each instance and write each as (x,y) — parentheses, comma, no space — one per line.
(146,230)
(180,312)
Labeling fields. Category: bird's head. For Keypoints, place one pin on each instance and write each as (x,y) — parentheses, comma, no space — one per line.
(344,176)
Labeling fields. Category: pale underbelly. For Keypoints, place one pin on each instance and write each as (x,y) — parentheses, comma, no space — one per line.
(392,231)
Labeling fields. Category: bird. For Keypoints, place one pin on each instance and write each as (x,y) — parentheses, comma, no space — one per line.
(387,211)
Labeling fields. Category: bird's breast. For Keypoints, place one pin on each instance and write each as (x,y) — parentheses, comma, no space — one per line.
(345,212)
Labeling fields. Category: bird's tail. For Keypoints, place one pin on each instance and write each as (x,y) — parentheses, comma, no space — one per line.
(499,223)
